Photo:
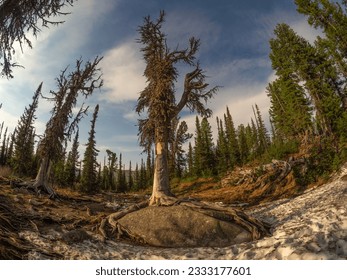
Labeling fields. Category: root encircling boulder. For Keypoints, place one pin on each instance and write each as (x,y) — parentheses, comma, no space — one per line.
(184,223)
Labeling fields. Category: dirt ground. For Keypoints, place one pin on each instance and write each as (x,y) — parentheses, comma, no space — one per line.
(76,217)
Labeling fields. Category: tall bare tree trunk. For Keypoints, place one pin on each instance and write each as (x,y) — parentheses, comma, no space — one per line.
(42,177)
(161,187)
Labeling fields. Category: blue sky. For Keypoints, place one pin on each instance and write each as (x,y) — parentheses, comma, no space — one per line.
(234,52)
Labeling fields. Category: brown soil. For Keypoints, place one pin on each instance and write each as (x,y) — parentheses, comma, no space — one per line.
(75,217)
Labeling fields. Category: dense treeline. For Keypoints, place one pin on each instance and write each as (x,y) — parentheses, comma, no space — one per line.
(308,116)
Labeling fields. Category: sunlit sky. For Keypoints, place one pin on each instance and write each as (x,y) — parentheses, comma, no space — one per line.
(234,53)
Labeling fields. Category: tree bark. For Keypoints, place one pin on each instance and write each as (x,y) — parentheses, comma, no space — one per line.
(42,178)
(161,193)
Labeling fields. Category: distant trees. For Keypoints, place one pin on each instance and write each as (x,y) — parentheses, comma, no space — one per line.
(71,165)
(89,179)
(158,98)
(18,19)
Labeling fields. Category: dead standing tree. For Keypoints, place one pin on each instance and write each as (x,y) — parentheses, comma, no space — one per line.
(158,99)
(82,81)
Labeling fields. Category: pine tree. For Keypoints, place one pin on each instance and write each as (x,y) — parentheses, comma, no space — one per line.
(137,178)
(190,158)
(293,56)
(24,141)
(71,163)
(331,18)
(120,176)
(290,111)
(243,145)
(89,182)
(233,155)
(222,151)
(131,178)
(262,133)
(82,81)
(204,157)
(159,96)
(3,148)
(179,136)
(111,170)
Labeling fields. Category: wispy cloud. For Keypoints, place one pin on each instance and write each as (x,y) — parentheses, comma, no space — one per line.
(123,73)
(52,51)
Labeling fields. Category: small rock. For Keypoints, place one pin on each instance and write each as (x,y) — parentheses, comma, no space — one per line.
(75,236)
(313,246)
(283,252)
(312,256)
(303,232)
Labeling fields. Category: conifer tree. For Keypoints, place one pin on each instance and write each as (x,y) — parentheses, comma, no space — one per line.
(131,178)
(82,81)
(190,158)
(111,170)
(89,181)
(262,133)
(24,141)
(159,99)
(292,55)
(71,163)
(331,18)
(137,178)
(290,111)
(120,176)
(3,148)
(233,148)
(204,157)
(179,136)
(222,151)
(142,181)
(242,142)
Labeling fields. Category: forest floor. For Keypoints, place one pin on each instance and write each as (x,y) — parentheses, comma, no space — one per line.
(306,224)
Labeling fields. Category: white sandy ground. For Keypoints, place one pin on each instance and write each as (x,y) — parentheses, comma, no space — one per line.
(311,226)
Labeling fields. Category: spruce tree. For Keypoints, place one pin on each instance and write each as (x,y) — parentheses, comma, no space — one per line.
(71,163)
(243,145)
(293,56)
(111,170)
(131,178)
(263,135)
(24,140)
(222,151)
(179,136)
(290,111)
(233,155)
(190,159)
(89,181)
(121,183)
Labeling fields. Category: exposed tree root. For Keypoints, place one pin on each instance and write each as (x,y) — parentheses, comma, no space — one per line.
(110,227)
(12,246)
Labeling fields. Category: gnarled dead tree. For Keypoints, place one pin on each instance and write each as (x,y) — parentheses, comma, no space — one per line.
(158,99)
(18,19)
(82,81)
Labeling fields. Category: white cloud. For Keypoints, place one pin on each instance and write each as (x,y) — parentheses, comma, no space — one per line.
(306,31)
(123,73)
(52,51)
